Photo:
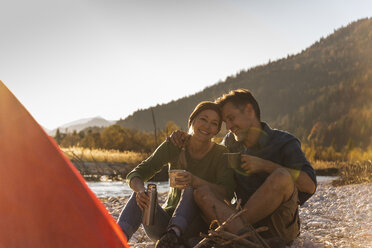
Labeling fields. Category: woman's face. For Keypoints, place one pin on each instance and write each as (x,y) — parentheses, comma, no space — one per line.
(205,124)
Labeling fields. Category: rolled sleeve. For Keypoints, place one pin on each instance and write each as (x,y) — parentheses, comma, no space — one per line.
(294,158)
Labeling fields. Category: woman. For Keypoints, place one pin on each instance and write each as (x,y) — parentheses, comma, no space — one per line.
(206,166)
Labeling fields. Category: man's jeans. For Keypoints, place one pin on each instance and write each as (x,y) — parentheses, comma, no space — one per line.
(186,213)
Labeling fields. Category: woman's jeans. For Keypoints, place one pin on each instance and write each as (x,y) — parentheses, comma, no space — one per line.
(186,217)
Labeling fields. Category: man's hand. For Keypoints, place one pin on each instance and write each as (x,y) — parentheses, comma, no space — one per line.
(178,138)
(302,180)
(252,165)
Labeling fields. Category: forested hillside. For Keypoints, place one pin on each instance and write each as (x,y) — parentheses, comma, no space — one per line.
(323,95)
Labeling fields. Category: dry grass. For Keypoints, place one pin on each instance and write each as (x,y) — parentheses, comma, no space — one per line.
(358,154)
(349,172)
(324,165)
(314,153)
(100,155)
(327,168)
(355,172)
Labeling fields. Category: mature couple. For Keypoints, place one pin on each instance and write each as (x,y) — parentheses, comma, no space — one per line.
(277,176)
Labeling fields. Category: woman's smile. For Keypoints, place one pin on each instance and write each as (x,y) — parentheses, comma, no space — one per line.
(204,132)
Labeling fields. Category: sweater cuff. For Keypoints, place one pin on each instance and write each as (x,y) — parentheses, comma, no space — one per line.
(130,176)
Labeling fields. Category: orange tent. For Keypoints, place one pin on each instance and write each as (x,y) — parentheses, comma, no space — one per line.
(44,201)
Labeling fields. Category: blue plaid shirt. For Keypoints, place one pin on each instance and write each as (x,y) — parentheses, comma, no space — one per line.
(277,146)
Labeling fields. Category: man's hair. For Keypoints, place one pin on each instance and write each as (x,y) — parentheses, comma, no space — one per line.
(240,98)
(205,105)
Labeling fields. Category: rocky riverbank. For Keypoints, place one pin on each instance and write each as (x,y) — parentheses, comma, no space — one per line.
(333,217)
(337,217)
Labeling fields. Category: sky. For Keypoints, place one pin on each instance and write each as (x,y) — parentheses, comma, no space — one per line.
(73,59)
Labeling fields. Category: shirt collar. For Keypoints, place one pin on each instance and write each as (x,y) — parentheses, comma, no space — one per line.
(264,137)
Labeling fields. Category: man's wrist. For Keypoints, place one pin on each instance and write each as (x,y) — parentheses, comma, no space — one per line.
(269,166)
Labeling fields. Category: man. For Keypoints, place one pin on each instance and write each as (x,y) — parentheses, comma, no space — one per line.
(277,176)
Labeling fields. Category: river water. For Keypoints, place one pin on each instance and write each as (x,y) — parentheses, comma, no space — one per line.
(119,189)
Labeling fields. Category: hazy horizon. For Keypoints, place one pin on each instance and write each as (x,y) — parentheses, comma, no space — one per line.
(72,60)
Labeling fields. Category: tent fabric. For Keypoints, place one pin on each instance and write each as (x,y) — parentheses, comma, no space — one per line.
(44,201)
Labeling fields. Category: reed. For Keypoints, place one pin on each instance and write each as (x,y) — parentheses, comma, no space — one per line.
(354,172)
(101,155)
(349,172)
(352,154)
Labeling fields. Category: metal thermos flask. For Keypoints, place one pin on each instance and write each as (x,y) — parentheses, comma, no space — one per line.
(149,213)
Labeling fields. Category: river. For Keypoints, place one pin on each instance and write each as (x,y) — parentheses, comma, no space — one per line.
(120,189)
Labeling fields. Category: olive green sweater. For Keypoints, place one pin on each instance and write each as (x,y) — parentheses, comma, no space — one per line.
(212,168)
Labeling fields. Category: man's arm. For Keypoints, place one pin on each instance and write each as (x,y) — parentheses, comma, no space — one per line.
(178,138)
(302,180)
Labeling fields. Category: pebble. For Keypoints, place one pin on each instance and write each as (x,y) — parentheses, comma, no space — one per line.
(333,217)
(337,217)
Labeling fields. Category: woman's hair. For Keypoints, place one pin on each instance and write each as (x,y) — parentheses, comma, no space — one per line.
(205,105)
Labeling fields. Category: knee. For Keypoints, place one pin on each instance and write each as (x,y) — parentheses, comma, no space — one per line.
(280,180)
(202,194)
(154,236)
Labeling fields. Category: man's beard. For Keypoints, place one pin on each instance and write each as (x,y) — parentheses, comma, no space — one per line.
(242,135)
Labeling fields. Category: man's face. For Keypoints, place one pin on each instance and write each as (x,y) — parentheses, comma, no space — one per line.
(238,121)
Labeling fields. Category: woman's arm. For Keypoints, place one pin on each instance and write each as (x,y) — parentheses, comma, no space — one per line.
(147,169)
(138,186)
(188,179)
(153,164)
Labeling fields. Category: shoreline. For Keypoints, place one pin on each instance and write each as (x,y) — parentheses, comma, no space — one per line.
(333,217)
(329,172)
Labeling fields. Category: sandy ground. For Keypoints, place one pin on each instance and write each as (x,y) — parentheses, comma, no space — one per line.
(333,217)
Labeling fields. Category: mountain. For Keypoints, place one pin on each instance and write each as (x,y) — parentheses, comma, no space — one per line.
(82,124)
(322,95)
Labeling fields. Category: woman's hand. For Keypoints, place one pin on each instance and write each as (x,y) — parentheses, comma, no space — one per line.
(143,200)
(185,179)
(138,186)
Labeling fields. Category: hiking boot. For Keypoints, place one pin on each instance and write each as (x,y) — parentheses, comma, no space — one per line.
(169,240)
